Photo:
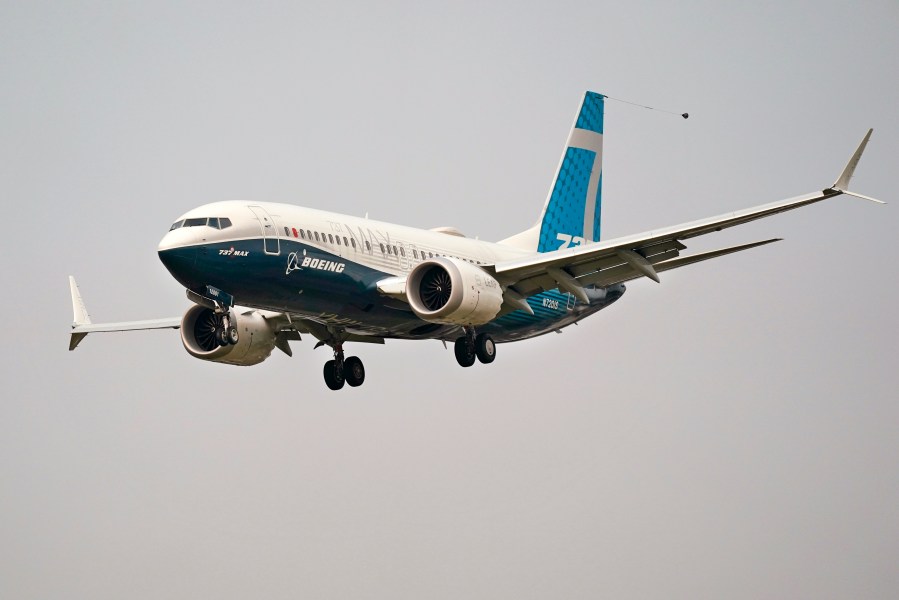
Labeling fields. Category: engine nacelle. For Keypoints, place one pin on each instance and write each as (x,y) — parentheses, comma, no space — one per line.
(453,292)
(256,339)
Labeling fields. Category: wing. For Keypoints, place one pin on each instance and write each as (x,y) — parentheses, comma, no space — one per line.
(286,327)
(81,326)
(646,254)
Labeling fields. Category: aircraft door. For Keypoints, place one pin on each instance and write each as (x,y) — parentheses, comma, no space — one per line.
(271,243)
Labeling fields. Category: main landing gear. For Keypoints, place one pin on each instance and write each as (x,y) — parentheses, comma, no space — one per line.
(343,370)
(471,346)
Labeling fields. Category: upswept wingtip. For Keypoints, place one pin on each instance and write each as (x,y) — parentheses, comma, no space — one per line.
(842,182)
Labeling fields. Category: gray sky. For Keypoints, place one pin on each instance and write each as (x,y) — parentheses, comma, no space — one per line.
(730,433)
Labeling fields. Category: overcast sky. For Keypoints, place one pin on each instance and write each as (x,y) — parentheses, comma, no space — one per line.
(730,433)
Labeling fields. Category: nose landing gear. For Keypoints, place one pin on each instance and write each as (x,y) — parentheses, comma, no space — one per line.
(471,346)
(225,331)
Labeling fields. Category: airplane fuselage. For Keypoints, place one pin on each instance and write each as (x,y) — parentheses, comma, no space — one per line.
(325,267)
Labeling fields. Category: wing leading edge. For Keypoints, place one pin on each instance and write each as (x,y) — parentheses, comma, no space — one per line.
(648,253)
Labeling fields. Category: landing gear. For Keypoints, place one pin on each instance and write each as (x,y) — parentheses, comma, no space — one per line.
(485,348)
(469,347)
(354,371)
(465,352)
(343,370)
(225,333)
(333,372)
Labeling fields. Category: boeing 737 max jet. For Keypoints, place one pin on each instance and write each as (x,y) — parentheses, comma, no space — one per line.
(261,274)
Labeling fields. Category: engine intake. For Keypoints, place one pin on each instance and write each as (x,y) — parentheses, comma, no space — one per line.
(255,342)
(454,292)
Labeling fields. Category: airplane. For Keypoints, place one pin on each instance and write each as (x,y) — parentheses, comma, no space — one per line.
(261,274)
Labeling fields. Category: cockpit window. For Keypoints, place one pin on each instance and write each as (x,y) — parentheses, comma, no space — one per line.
(214,222)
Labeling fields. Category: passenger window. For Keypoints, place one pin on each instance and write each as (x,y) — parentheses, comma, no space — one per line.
(353,241)
(330,238)
(415,253)
(345,242)
(176,225)
(338,240)
(382,249)
(302,234)
(368,245)
(394,250)
(224,222)
(294,230)
(316,236)
(402,252)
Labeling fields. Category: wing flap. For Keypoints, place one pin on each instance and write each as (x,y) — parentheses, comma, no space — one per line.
(625,273)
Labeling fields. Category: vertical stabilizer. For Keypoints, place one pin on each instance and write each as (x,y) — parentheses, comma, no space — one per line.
(571,214)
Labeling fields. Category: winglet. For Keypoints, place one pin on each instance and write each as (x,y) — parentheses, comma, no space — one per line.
(80,312)
(842,183)
(80,315)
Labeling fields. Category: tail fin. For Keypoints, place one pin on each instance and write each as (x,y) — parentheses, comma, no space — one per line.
(571,214)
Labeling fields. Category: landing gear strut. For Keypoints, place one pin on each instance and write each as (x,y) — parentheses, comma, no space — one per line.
(343,370)
(225,331)
(472,346)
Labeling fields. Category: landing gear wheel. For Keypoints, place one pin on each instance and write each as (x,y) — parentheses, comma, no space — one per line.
(465,354)
(221,336)
(333,375)
(233,336)
(485,348)
(354,371)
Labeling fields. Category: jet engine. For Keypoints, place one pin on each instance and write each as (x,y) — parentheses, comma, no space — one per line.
(454,292)
(255,342)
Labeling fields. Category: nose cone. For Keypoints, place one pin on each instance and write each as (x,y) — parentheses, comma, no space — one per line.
(178,252)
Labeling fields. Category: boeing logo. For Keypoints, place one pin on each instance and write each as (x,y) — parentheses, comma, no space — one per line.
(323,265)
(294,264)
